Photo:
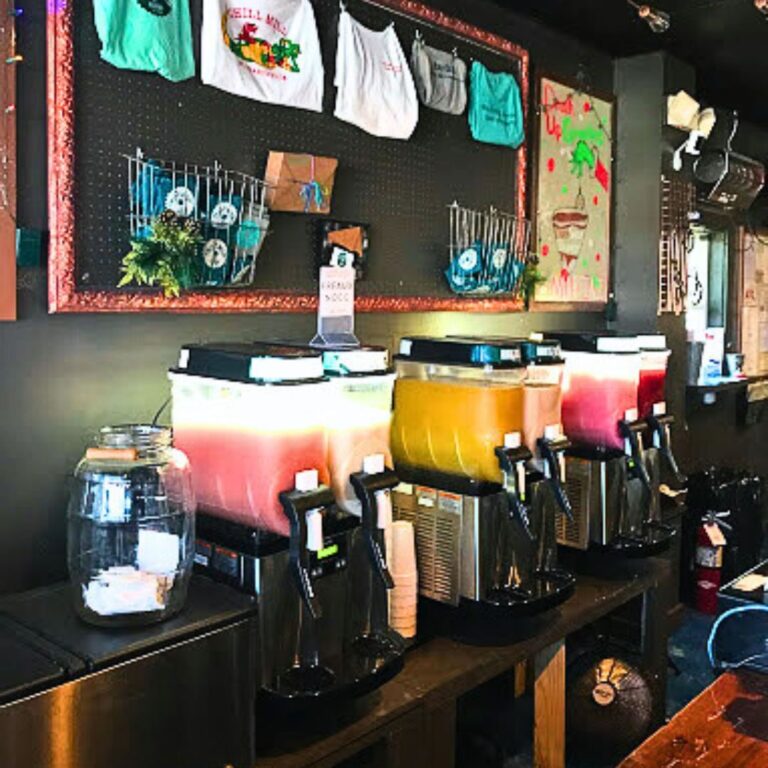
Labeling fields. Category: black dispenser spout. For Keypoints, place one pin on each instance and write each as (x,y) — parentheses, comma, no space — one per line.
(512,462)
(631,431)
(296,505)
(379,640)
(660,426)
(366,486)
(551,451)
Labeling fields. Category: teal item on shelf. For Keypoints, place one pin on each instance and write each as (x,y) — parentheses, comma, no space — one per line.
(151,188)
(495,108)
(146,35)
(248,235)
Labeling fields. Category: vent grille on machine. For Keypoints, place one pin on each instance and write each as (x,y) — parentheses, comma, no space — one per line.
(575,533)
(437,547)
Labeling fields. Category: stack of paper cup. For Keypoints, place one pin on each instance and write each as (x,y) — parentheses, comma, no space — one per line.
(402,566)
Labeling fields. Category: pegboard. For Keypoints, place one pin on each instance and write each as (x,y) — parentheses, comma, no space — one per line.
(400,188)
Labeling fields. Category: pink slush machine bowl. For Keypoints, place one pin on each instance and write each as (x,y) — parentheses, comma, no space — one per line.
(249,417)
(599,390)
(653,380)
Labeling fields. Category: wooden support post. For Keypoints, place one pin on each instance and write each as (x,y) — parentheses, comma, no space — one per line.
(521,669)
(655,628)
(426,740)
(404,747)
(549,707)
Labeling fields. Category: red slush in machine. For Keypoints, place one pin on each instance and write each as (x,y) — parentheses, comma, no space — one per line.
(607,478)
(254,420)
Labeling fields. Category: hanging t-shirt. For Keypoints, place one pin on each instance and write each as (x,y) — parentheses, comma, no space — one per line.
(146,35)
(267,50)
(441,78)
(495,108)
(375,86)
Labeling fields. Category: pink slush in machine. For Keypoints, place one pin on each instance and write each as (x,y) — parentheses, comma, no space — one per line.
(607,480)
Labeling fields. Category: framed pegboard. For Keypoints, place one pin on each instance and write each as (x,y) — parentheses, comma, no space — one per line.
(401,189)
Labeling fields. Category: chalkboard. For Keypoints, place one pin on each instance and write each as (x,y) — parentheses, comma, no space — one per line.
(401,189)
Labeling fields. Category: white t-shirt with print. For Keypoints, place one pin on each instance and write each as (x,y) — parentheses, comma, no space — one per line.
(267,50)
(375,86)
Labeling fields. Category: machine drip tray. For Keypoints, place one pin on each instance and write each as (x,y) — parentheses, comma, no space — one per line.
(656,538)
(377,646)
(545,590)
(309,680)
(370,662)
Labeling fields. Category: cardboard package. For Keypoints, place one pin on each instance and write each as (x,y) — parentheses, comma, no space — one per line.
(300,183)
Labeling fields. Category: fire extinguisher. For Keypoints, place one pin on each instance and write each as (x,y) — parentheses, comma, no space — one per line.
(710,542)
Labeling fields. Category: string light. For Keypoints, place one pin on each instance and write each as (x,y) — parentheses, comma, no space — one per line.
(762,6)
(658,21)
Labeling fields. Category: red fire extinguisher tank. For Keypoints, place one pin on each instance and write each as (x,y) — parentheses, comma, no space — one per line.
(709,564)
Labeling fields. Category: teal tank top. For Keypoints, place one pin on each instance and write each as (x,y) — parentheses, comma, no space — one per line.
(146,35)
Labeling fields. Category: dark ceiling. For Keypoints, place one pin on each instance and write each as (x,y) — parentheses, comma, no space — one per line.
(726,40)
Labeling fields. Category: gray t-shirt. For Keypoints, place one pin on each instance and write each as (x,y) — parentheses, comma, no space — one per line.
(441,78)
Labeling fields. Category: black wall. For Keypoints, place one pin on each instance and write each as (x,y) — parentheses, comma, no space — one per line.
(704,436)
(63,376)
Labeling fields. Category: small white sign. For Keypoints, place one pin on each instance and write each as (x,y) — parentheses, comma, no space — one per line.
(337,292)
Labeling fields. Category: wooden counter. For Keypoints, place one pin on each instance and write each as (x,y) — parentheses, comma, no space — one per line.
(725,726)
(412,718)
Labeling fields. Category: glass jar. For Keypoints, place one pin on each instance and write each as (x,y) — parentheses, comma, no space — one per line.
(131,527)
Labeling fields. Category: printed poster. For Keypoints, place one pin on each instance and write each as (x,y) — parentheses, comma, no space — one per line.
(574,194)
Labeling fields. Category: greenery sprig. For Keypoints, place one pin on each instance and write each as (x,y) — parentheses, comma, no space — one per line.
(530,280)
(168,258)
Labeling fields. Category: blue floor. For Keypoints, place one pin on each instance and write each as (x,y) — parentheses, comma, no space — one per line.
(687,649)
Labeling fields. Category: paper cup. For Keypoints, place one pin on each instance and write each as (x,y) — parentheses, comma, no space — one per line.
(403,547)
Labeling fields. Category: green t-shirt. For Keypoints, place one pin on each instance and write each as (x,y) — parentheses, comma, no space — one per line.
(495,108)
(148,35)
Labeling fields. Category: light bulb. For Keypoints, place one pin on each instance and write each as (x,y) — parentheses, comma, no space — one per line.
(658,20)
(762,6)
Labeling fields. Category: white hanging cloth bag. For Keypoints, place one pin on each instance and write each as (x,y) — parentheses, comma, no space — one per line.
(267,50)
(375,89)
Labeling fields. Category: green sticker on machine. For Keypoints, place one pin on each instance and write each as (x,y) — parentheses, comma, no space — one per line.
(326,552)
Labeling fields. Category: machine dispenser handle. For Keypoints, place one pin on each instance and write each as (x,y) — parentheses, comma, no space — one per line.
(631,433)
(549,450)
(510,460)
(296,506)
(660,429)
(366,486)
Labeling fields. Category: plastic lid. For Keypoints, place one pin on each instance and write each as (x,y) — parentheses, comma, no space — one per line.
(505,353)
(542,351)
(351,362)
(257,363)
(576,341)
(535,350)
(652,341)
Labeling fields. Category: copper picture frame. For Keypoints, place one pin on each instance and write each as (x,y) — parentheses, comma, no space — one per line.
(65,296)
(8,174)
